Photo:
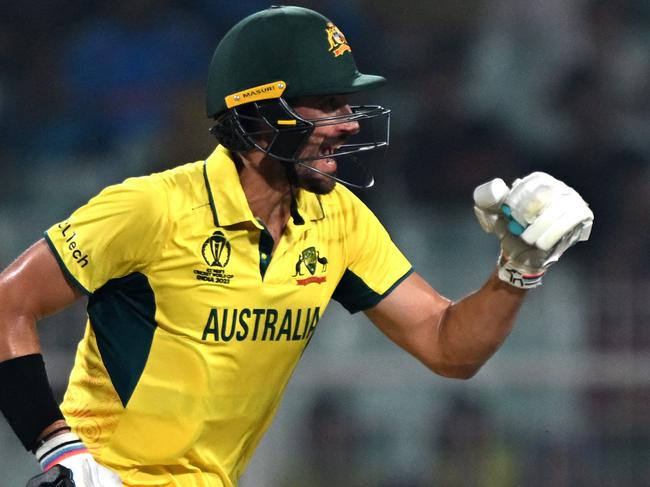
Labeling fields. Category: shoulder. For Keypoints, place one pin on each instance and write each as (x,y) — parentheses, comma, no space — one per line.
(180,177)
(144,198)
(162,187)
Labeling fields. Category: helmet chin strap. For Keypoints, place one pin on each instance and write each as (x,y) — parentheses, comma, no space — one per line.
(292,176)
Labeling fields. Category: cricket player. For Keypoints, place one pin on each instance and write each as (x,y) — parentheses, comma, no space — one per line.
(206,282)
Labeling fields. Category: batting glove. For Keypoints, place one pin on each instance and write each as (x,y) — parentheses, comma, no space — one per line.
(57,476)
(68,451)
(537,220)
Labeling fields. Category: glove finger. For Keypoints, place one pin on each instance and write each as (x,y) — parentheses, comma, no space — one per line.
(531,195)
(486,219)
(490,195)
(585,231)
(543,222)
(562,226)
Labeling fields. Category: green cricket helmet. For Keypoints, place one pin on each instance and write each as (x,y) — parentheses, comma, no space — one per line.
(278,54)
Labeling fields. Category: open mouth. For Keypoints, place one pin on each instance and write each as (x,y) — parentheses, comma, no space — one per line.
(325,154)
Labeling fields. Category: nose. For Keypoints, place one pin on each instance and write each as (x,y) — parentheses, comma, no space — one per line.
(350,127)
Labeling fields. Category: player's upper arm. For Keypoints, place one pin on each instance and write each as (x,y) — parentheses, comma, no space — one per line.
(410,316)
(32,287)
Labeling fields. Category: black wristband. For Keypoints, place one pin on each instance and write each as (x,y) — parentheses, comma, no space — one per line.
(26,399)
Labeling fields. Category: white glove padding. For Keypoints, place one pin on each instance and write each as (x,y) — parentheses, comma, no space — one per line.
(68,450)
(537,221)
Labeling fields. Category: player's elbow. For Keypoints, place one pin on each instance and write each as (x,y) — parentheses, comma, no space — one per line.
(455,371)
(452,365)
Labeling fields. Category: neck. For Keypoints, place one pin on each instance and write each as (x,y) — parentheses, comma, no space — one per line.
(266,188)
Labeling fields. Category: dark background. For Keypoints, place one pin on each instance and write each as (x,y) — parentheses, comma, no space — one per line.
(93,92)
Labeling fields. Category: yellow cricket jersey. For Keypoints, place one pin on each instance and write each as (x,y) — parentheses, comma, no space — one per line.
(194,327)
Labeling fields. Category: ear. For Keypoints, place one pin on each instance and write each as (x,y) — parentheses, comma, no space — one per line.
(231,134)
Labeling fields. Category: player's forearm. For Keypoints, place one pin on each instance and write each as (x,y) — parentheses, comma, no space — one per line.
(472,329)
(18,316)
(18,336)
(25,388)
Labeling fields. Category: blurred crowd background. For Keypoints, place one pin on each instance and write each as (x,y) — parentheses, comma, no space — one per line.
(93,92)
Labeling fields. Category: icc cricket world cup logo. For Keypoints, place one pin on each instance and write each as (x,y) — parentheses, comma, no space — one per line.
(216,250)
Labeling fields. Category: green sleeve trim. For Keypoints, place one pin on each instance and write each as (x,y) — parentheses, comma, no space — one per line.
(72,279)
(355,295)
(397,283)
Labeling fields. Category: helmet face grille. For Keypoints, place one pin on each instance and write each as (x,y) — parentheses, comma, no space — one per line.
(274,128)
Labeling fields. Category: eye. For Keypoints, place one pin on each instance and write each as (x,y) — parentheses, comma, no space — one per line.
(329,104)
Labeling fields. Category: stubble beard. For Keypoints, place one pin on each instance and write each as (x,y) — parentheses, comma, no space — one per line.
(313,181)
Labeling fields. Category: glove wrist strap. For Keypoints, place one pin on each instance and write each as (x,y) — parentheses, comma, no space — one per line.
(58,448)
(51,434)
(517,278)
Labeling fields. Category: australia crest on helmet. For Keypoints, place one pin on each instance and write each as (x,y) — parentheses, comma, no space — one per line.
(338,43)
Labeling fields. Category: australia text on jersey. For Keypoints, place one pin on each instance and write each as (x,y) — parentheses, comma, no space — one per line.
(263,324)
